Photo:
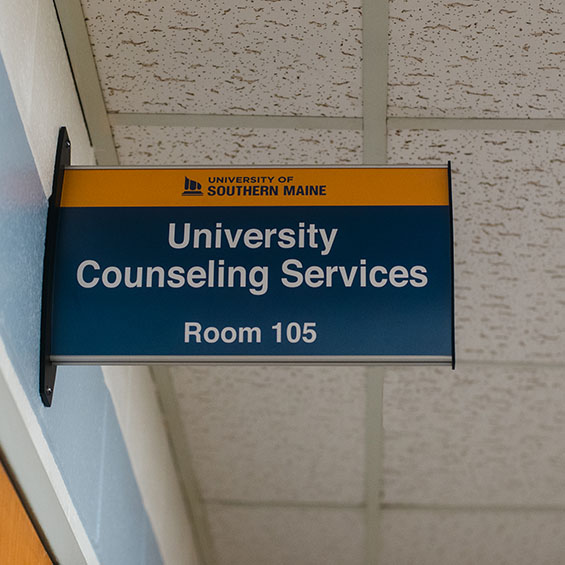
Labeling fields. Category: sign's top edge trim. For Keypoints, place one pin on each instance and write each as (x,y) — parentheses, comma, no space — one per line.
(248,167)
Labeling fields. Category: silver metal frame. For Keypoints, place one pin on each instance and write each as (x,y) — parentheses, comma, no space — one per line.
(251,360)
(247,168)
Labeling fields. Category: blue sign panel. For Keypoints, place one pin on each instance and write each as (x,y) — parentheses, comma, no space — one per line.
(290,280)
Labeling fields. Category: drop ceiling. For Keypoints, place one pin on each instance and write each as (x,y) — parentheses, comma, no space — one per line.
(351,465)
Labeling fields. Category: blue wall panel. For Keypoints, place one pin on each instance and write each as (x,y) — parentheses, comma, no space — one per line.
(81,427)
(23,213)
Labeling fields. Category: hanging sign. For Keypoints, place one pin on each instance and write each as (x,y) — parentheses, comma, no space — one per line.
(294,265)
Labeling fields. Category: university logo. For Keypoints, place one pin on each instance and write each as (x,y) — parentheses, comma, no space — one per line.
(192,188)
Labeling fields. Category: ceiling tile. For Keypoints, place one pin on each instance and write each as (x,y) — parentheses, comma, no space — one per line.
(275,433)
(470,538)
(287,536)
(477,59)
(226,57)
(509,210)
(477,435)
(155,145)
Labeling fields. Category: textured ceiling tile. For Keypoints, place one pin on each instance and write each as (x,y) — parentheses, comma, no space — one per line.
(287,536)
(226,57)
(154,145)
(470,538)
(477,58)
(268,433)
(474,436)
(510,237)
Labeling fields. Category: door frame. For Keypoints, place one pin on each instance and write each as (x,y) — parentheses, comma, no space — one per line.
(32,465)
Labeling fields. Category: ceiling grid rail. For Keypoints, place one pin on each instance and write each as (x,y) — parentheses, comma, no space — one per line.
(374,439)
(83,67)
(374,81)
(507,124)
(285,504)
(233,121)
(460,508)
(375,94)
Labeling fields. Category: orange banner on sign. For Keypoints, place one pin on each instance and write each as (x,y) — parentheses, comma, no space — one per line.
(363,186)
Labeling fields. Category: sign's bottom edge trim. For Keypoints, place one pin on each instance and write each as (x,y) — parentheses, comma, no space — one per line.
(252,359)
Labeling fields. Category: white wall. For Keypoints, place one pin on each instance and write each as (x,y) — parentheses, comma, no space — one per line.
(36,61)
(139,414)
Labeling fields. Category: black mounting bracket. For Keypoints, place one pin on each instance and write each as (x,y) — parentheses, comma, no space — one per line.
(47,371)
